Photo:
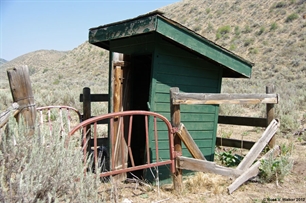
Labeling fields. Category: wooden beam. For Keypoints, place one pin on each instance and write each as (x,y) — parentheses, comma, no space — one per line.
(270,113)
(202,98)
(87,115)
(234,143)
(252,171)
(119,149)
(206,166)
(176,121)
(259,146)
(245,121)
(22,94)
(189,142)
(96,97)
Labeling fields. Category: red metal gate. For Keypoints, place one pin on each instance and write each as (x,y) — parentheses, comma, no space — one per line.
(126,139)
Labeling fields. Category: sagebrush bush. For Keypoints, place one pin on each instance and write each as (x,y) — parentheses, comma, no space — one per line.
(275,169)
(49,172)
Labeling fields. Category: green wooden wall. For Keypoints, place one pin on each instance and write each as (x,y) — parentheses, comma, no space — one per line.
(175,67)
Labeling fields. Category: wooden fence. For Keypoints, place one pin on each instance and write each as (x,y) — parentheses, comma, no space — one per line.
(244,171)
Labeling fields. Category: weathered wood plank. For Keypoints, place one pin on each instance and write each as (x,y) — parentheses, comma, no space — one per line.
(234,143)
(202,98)
(176,121)
(245,121)
(4,116)
(96,97)
(119,149)
(252,171)
(259,146)
(189,142)
(22,94)
(270,113)
(206,166)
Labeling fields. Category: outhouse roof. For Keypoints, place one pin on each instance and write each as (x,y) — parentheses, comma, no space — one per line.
(234,65)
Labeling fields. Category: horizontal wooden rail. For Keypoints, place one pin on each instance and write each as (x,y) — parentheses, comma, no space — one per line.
(227,142)
(203,98)
(96,97)
(246,121)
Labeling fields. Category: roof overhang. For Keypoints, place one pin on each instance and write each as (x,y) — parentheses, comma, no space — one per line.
(234,65)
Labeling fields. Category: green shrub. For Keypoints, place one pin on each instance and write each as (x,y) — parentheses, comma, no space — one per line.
(223,31)
(280,4)
(261,30)
(273,26)
(247,29)
(229,159)
(291,17)
(275,169)
(248,42)
(237,31)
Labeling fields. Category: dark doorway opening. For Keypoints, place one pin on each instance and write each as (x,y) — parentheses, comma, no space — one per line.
(139,98)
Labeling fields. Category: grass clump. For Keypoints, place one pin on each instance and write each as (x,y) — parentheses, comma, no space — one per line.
(273,26)
(223,31)
(292,17)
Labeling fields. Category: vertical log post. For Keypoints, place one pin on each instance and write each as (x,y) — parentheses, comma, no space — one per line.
(175,121)
(270,114)
(119,148)
(87,114)
(22,93)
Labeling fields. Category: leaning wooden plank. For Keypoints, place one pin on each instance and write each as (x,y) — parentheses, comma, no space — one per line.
(206,166)
(252,171)
(189,142)
(259,146)
(202,98)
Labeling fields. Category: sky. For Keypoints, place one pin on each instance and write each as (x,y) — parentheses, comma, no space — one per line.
(62,25)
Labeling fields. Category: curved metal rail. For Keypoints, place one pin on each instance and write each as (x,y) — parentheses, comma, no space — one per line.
(69,110)
(127,140)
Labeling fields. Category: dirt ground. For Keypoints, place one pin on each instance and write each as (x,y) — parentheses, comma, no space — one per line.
(204,187)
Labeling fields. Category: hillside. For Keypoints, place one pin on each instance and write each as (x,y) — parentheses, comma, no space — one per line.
(272,34)
(2,61)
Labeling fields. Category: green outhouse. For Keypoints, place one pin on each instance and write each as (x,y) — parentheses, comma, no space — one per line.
(161,54)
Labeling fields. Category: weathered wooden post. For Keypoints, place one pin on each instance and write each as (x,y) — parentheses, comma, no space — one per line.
(87,114)
(270,113)
(22,94)
(175,121)
(119,147)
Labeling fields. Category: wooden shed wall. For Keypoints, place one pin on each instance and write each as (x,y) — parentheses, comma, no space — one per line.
(175,67)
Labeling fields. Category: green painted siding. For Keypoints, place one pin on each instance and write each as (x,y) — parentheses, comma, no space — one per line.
(139,45)
(175,67)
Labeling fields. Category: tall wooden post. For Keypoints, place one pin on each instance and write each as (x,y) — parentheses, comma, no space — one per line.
(87,114)
(22,94)
(270,113)
(119,149)
(175,121)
